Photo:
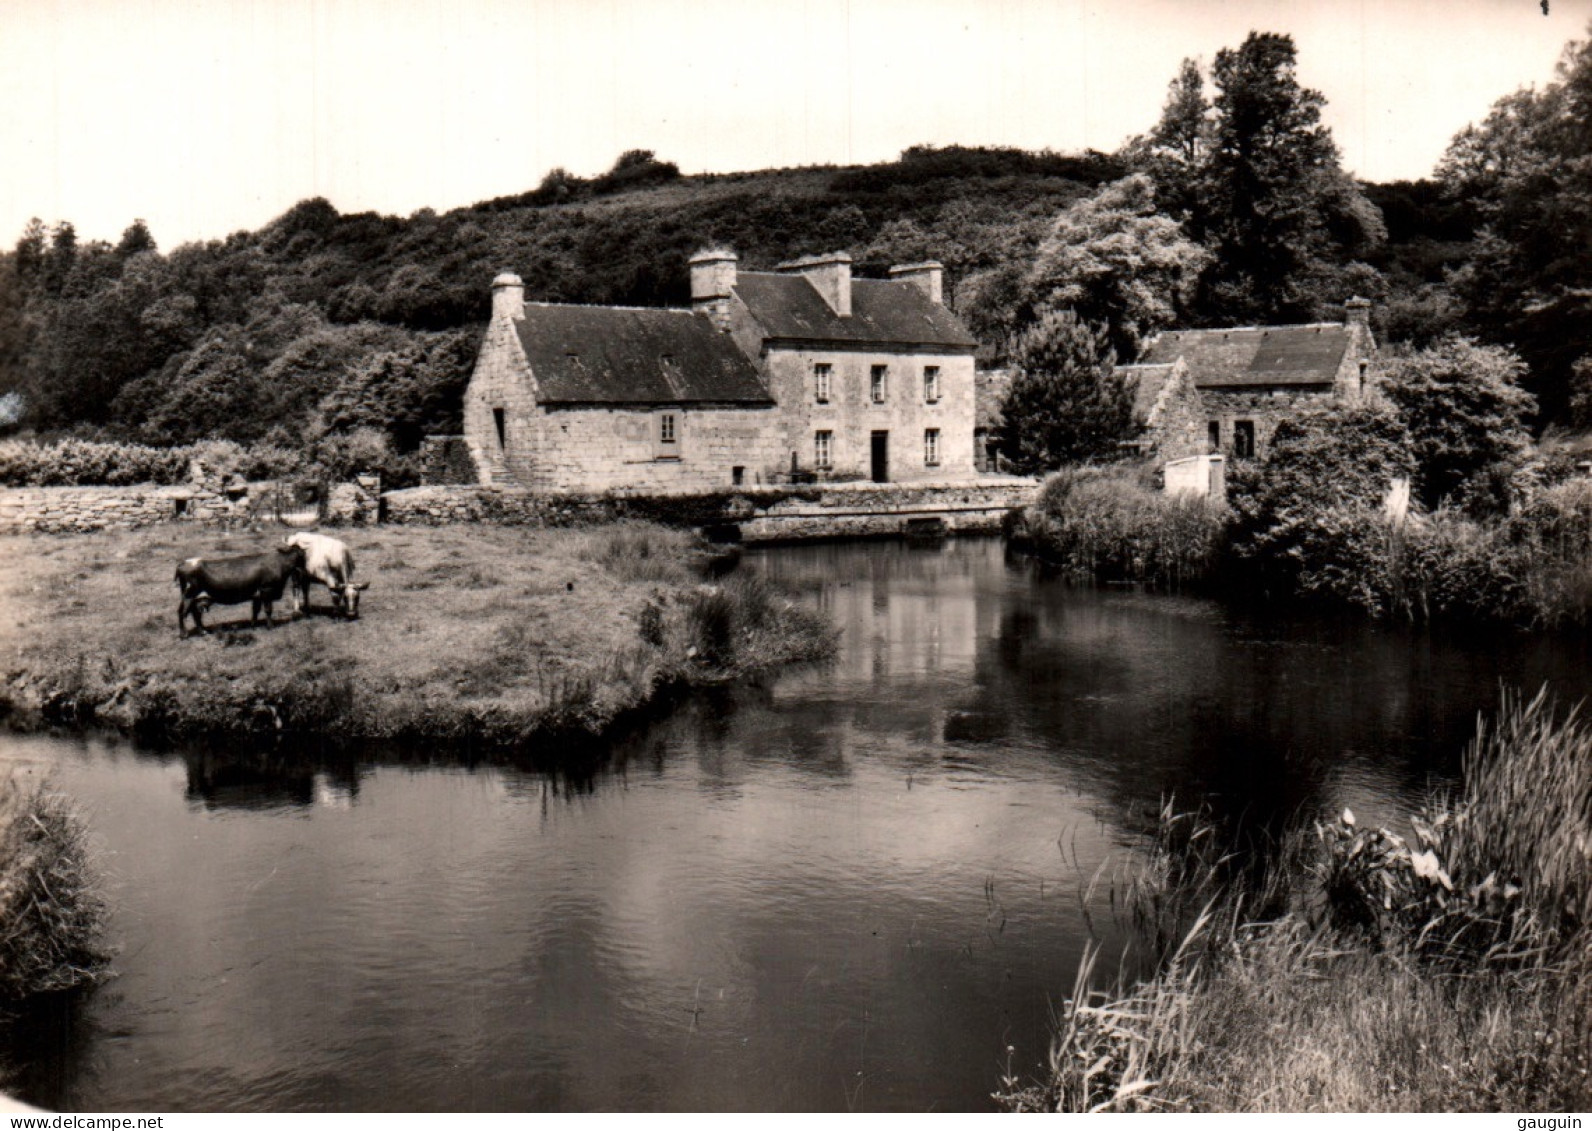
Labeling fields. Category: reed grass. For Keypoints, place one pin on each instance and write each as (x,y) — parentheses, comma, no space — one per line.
(52,914)
(1110,524)
(1360,970)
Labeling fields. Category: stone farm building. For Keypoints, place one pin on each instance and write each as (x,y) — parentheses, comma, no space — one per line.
(796,375)
(1225,391)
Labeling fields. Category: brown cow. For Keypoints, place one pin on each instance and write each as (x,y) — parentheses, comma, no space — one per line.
(256,578)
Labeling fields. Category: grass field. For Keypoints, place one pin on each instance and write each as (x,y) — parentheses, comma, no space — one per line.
(484,634)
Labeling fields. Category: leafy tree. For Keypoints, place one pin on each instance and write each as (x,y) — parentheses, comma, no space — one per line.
(1464,410)
(1273,204)
(1174,153)
(135,239)
(30,251)
(1114,260)
(1527,170)
(1066,403)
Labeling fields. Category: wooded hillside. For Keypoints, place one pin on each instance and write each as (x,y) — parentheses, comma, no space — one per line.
(322,326)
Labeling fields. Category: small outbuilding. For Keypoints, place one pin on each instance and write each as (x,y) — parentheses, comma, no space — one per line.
(1225,391)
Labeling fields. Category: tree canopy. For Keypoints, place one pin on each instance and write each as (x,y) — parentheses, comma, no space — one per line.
(1114,261)
(1464,410)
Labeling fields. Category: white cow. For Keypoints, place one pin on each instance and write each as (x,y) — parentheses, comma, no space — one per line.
(331,563)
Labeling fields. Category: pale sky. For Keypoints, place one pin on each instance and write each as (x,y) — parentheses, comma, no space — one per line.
(207,116)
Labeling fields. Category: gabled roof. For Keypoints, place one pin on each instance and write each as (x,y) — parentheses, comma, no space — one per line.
(882,313)
(1148,380)
(627,355)
(1256,356)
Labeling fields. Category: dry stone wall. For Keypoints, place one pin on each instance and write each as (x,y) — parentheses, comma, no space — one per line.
(70,510)
(207,501)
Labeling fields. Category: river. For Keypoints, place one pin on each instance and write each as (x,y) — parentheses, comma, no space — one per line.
(854,887)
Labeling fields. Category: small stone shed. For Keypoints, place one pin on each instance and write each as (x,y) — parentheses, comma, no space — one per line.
(1225,391)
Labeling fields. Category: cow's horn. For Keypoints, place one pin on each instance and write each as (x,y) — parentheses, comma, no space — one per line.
(360,585)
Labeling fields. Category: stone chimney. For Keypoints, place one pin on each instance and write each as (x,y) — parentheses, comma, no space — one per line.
(508,297)
(830,274)
(712,278)
(1357,312)
(927,277)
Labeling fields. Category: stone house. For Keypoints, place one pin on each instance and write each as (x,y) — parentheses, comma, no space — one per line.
(873,377)
(595,397)
(801,374)
(1225,391)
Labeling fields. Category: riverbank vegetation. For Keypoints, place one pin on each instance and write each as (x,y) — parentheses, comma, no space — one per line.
(1425,501)
(52,911)
(485,636)
(1113,524)
(1447,968)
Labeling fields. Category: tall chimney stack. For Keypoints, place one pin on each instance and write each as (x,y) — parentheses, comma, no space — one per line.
(712,279)
(927,277)
(1357,312)
(508,296)
(829,274)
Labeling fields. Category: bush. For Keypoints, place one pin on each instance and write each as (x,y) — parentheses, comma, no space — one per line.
(73,463)
(1103,524)
(49,903)
(92,463)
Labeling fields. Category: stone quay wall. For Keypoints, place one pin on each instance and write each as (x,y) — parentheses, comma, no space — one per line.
(752,514)
(759,514)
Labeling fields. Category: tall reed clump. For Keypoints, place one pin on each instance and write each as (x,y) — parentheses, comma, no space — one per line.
(1108,524)
(1554,529)
(52,914)
(744,625)
(1363,970)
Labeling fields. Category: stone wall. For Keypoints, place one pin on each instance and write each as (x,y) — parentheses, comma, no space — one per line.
(204,502)
(70,510)
(760,514)
(1264,410)
(597,449)
(501,380)
(851,416)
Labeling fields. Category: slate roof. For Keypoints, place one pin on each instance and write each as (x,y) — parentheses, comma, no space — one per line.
(1263,356)
(626,355)
(882,313)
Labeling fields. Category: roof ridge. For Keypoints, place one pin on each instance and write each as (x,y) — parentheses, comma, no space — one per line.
(606,306)
(1249,329)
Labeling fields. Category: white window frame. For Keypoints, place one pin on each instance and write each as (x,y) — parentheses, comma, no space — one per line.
(823,449)
(931,447)
(823,381)
(878,384)
(931,384)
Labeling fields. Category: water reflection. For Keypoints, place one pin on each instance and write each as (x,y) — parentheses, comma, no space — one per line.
(850,887)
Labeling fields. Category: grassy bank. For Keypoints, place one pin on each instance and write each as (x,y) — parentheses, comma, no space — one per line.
(51,911)
(1450,970)
(490,636)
